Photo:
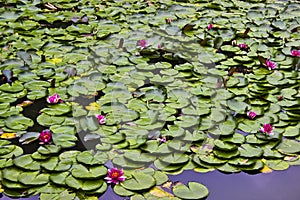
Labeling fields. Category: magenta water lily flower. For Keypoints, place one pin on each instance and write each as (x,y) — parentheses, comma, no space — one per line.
(45,137)
(267,129)
(210,26)
(162,139)
(251,114)
(270,65)
(54,99)
(115,176)
(295,53)
(243,46)
(101,119)
(142,44)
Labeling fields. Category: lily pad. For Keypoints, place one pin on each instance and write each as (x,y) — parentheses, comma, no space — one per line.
(193,191)
(289,147)
(138,181)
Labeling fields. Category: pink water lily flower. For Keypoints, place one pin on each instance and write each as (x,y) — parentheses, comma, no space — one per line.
(101,119)
(210,26)
(267,129)
(54,99)
(115,176)
(243,46)
(295,53)
(270,64)
(142,44)
(45,137)
(251,114)
(162,139)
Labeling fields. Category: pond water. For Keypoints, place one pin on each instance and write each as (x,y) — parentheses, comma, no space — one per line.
(277,185)
(150,88)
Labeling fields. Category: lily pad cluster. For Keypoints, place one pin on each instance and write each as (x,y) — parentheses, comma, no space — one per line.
(152,87)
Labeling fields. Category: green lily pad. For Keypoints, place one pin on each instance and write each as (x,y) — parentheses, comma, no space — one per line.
(226,154)
(89,158)
(121,191)
(227,168)
(86,185)
(224,146)
(26,162)
(58,109)
(49,149)
(288,147)
(14,87)
(235,139)
(249,151)
(160,177)
(138,181)
(54,164)
(33,178)
(193,191)
(18,122)
(237,106)
(292,131)
(175,158)
(211,159)
(48,120)
(137,156)
(80,171)
(11,173)
(62,195)
(277,164)
(59,178)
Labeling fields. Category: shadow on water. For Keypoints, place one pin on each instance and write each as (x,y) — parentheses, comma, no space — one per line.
(33,111)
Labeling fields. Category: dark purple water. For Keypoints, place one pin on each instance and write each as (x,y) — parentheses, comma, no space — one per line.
(278,185)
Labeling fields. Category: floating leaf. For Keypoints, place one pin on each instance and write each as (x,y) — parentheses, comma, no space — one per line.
(193,191)
(8,135)
(289,147)
(33,178)
(138,181)
(26,162)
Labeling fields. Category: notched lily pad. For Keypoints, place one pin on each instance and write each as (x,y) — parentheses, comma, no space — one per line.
(33,178)
(138,181)
(90,158)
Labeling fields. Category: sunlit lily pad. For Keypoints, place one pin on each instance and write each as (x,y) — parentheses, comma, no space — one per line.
(193,191)
(288,147)
(80,171)
(33,178)
(138,181)
(86,185)
(26,162)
